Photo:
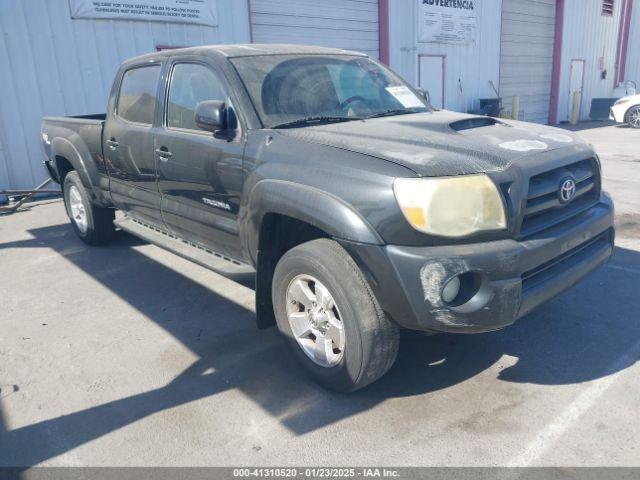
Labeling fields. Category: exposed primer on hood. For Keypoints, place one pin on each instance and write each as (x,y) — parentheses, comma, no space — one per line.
(524,145)
(425,142)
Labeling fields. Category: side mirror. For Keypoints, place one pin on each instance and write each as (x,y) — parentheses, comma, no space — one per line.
(210,116)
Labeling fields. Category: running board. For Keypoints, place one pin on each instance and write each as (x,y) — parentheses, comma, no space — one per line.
(240,272)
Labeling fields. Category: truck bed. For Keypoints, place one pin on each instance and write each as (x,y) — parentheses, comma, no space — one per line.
(78,136)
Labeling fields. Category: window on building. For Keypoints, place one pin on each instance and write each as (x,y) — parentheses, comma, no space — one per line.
(191,83)
(607,7)
(137,98)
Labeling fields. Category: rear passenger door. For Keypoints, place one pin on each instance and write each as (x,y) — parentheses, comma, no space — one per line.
(128,144)
(199,173)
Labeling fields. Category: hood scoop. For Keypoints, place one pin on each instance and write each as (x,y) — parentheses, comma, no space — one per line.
(475,122)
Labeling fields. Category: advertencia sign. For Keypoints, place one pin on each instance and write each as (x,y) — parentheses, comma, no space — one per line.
(447,21)
(202,12)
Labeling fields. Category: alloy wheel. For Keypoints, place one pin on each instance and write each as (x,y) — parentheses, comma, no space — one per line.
(78,211)
(315,320)
(634,117)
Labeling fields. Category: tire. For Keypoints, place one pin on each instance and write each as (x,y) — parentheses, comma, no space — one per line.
(92,224)
(633,117)
(370,340)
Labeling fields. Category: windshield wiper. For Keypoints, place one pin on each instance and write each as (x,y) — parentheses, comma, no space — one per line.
(318,120)
(393,111)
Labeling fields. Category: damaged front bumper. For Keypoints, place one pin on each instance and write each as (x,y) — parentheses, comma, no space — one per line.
(501,281)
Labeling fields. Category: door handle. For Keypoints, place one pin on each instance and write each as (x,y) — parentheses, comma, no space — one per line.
(163,153)
(112,143)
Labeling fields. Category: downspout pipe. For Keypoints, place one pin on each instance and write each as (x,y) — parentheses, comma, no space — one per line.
(557,63)
(623,41)
(383,30)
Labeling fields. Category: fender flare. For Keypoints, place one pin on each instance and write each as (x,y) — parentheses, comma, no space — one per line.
(79,157)
(308,204)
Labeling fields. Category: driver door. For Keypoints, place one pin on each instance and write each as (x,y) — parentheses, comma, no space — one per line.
(199,175)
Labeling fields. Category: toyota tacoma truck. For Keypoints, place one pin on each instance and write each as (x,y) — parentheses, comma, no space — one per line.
(354,207)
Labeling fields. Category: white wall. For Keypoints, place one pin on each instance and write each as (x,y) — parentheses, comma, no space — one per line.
(53,65)
(588,35)
(633,51)
(474,64)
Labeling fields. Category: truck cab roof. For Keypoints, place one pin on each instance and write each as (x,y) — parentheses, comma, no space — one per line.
(244,50)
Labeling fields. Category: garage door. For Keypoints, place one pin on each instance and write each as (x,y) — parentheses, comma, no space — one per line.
(526,56)
(350,24)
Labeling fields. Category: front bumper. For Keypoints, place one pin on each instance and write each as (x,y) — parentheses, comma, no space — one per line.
(515,276)
(618,112)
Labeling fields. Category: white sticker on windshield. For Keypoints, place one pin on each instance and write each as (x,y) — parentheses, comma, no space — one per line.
(406,97)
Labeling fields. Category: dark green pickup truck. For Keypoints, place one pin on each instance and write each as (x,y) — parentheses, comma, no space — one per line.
(327,181)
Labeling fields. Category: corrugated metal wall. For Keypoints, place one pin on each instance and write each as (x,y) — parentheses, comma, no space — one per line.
(633,51)
(53,65)
(526,56)
(350,24)
(468,68)
(588,36)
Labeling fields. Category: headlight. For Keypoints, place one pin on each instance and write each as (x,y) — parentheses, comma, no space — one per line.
(622,100)
(451,206)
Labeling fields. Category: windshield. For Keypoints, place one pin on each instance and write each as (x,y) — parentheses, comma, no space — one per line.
(289,89)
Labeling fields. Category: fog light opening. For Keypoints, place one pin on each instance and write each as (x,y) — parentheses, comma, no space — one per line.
(468,289)
(451,290)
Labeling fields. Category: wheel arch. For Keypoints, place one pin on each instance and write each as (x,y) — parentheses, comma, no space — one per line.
(307,204)
(79,158)
(282,215)
(62,166)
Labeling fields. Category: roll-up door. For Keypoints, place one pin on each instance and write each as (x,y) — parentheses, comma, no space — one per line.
(349,24)
(526,56)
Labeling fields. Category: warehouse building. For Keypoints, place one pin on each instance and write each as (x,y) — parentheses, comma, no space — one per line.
(58,57)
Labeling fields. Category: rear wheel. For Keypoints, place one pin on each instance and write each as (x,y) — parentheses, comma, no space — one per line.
(93,224)
(633,117)
(330,317)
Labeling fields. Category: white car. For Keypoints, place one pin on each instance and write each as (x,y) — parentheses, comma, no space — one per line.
(627,110)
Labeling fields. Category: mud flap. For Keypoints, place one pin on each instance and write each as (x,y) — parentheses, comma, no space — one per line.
(265,316)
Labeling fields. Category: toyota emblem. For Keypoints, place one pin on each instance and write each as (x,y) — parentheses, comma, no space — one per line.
(567,190)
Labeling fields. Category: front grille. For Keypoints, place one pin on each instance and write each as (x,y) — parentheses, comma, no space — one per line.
(543,208)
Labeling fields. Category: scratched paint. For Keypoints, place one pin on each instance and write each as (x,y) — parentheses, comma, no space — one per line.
(433,275)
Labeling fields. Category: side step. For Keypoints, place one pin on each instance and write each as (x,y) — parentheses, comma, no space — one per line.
(240,272)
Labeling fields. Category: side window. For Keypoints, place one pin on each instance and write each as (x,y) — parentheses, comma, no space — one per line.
(137,98)
(191,83)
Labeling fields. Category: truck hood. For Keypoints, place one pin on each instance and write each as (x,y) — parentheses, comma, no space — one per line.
(443,142)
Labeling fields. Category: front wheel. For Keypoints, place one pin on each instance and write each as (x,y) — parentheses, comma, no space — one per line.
(633,117)
(93,224)
(330,317)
